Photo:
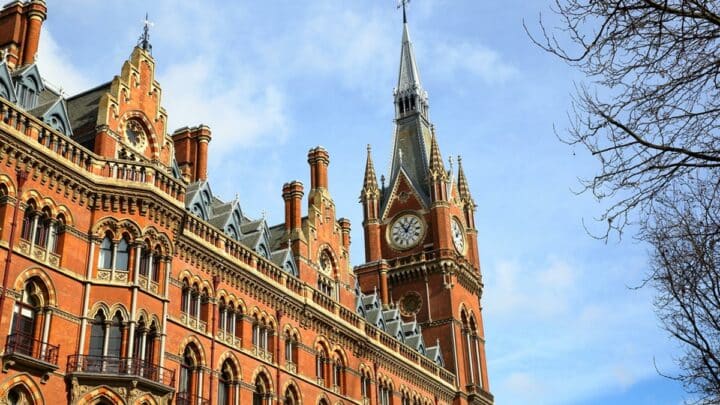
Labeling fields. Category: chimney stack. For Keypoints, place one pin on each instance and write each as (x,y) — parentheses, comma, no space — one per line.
(293,194)
(20,26)
(191,151)
(319,159)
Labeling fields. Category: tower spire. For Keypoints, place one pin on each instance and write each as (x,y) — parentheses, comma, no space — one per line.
(402,4)
(144,41)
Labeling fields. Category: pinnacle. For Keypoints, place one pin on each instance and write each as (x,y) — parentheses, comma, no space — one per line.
(370,184)
(437,168)
(463,188)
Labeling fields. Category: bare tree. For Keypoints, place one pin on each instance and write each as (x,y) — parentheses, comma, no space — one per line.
(685,235)
(650,114)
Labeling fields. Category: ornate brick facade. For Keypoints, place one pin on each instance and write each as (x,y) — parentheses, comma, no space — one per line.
(126,281)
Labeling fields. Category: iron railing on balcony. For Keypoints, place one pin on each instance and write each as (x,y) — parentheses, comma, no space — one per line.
(130,366)
(185,398)
(20,343)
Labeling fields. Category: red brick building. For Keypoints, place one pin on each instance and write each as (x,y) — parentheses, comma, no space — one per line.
(125,281)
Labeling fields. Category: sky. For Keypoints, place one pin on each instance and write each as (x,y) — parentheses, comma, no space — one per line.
(563,321)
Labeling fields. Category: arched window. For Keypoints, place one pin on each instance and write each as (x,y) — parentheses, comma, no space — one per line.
(471,347)
(261,334)
(227,383)
(189,377)
(28,225)
(338,375)
(292,397)
(385,393)
(106,253)
(42,228)
(144,346)
(97,335)
(28,334)
(24,315)
(145,260)
(155,268)
(20,395)
(321,362)
(186,297)
(122,255)
(291,346)
(365,381)
(262,394)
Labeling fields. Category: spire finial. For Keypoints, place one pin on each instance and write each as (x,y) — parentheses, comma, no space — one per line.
(144,41)
(403,3)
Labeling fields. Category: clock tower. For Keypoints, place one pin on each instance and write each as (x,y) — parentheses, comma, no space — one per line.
(421,241)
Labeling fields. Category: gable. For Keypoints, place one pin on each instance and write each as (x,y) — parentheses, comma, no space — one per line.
(57,117)
(403,196)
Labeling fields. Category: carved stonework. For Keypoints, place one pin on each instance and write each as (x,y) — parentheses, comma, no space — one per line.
(104,274)
(410,304)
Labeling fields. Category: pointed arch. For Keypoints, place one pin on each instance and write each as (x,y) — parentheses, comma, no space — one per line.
(99,393)
(196,346)
(26,383)
(292,395)
(44,282)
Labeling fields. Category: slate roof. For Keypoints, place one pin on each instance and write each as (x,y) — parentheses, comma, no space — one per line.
(83,113)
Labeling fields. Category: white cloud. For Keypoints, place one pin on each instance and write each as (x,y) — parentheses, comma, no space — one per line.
(241,112)
(57,67)
(476,60)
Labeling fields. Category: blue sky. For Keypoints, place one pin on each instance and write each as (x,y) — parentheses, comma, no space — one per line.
(275,78)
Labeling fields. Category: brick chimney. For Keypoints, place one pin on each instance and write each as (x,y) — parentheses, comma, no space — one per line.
(191,151)
(293,194)
(319,159)
(20,25)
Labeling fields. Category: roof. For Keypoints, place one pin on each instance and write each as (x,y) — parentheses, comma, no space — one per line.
(83,110)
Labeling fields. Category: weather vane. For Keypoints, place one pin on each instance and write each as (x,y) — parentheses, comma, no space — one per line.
(403,3)
(144,41)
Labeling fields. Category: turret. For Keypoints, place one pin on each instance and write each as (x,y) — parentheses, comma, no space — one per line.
(370,199)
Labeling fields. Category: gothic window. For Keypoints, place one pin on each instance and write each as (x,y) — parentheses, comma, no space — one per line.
(385,393)
(227,383)
(262,394)
(189,377)
(144,344)
(186,297)
(338,372)
(291,396)
(262,334)
(291,347)
(27,225)
(365,382)
(114,344)
(97,335)
(106,253)
(122,254)
(155,268)
(27,321)
(20,395)
(321,361)
(114,255)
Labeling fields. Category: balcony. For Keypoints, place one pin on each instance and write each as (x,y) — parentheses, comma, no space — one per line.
(119,369)
(184,398)
(23,351)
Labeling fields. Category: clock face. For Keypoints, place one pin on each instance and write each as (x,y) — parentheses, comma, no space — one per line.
(458,236)
(407,231)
